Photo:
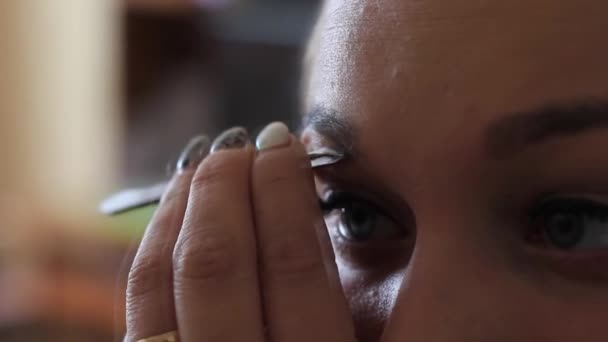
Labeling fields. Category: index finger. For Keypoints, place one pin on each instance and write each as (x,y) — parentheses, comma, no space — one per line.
(150,304)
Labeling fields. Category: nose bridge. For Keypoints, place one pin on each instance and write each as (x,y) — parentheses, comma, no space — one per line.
(453,281)
(427,302)
(447,293)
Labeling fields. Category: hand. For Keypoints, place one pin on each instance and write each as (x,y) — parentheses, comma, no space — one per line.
(238,249)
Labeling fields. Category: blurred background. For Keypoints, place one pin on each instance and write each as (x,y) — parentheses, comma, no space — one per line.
(98,96)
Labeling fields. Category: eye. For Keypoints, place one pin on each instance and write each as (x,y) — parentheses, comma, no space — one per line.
(571,224)
(360,220)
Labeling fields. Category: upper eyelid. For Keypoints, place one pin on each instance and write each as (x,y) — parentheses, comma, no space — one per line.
(390,211)
(348,195)
(570,203)
(352,174)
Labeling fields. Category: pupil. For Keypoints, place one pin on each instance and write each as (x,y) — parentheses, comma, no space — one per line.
(359,222)
(565,230)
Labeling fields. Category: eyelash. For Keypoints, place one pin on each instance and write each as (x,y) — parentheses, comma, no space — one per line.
(338,199)
(353,208)
(571,205)
(563,211)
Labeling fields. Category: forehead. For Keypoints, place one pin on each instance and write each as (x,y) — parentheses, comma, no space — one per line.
(430,60)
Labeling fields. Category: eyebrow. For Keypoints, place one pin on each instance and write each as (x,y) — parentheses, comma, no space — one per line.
(519,131)
(333,126)
(503,138)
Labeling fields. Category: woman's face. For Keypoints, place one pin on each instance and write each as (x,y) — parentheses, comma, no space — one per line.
(473,201)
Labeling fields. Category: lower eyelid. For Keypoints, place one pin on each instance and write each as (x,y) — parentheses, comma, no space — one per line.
(571,255)
(589,266)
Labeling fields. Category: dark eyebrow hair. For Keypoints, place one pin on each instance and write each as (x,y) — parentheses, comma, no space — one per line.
(507,136)
(520,130)
(333,126)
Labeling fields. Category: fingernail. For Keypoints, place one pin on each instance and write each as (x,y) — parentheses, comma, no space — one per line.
(235,137)
(196,150)
(274,135)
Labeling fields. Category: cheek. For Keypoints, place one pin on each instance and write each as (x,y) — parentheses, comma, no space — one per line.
(460,298)
(371,298)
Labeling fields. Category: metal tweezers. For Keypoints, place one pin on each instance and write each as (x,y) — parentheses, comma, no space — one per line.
(130,199)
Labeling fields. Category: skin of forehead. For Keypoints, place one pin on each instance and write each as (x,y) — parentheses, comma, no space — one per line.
(415,52)
(417,74)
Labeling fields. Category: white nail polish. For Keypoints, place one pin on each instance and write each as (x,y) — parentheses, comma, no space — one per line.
(274,135)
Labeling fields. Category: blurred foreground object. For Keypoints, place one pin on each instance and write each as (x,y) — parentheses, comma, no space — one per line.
(59,101)
(177,5)
(60,280)
(60,133)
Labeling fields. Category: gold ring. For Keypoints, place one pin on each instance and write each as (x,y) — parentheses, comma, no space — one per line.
(171,336)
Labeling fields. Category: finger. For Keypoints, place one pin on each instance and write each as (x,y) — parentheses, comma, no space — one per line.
(215,284)
(302,297)
(150,304)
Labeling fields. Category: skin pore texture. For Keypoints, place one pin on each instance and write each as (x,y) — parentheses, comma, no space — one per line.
(461,121)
